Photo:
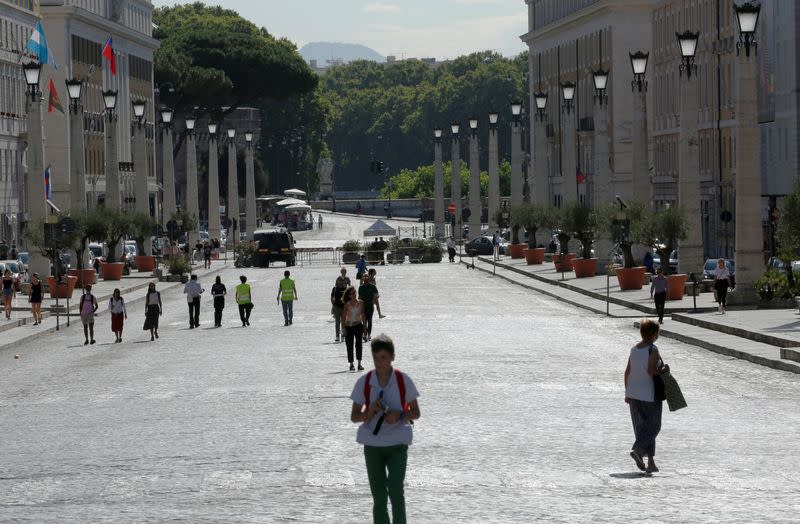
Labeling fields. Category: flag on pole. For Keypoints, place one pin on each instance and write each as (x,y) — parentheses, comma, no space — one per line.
(108,54)
(580,178)
(48,192)
(37,44)
(53,102)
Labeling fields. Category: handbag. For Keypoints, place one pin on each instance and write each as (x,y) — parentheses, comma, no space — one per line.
(673,393)
(658,382)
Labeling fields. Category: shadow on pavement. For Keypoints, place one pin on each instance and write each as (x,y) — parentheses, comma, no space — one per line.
(631,475)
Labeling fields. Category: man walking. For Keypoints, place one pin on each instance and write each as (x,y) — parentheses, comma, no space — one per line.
(361,268)
(193,290)
(319,220)
(207,255)
(496,245)
(244,300)
(451,249)
(287,294)
(368,294)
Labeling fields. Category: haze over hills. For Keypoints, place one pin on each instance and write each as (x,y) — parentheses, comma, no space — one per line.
(322,51)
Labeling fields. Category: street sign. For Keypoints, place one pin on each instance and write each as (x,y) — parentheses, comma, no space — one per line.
(451,208)
(67,225)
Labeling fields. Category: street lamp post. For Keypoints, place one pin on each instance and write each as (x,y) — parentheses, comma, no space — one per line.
(438,185)
(113,198)
(541,187)
(169,203)
(474,180)
(251,215)
(192,189)
(455,183)
(141,192)
(35,197)
(213,184)
(233,188)
(77,171)
(494,171)
(602,173)
(641,190)
(748,255)
(569,181)
(516,154)
(691,249)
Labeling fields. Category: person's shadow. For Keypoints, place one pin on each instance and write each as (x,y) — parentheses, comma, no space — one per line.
(631,475)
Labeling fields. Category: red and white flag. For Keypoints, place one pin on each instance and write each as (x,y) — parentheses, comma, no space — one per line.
(53,102)
(108,54)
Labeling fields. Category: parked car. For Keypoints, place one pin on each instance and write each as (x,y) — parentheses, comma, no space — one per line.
(482,245)
(129,254)
(17,271)
(777,263)
(711,265)
(673,260)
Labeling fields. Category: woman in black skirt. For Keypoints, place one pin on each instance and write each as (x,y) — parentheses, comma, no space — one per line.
(36,299)
(152,310)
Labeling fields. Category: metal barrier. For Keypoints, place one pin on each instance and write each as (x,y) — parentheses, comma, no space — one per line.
(317,255)
(416,231)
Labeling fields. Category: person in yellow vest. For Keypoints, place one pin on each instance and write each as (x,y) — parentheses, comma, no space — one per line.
(287,294)
(244,300)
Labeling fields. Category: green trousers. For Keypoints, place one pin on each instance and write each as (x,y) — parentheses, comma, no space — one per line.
(386,470)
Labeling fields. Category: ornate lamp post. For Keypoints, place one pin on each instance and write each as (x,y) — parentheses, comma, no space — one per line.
(35,197)
(233,188)
(213,184)
(602,175)
(141,190)
(541,189)
(516,154)
(77,166)
(113,198)
(748,255)
(494,171)
(192,189)
(474,180)
(641,190)
(251,214)
(438,185)
(169,202)
(455,185)
(569,181)
(691,249)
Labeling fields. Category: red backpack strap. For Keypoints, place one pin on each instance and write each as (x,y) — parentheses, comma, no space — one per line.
(367,388)
(401,385)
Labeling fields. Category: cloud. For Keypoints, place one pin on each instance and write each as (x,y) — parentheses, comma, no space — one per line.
(378,7)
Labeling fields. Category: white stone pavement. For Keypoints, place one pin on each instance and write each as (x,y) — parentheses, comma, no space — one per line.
(523,416)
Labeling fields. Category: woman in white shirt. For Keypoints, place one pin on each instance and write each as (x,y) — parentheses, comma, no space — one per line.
(118,313)
(643,365)
(354,321)
(722,280)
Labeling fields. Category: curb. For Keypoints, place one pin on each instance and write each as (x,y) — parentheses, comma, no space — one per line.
(736,331)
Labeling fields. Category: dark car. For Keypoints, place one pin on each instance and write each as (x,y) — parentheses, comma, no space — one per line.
(274,246)
(481,246)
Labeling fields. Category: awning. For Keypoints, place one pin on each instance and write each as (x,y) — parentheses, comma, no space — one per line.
(379,229)
(294,192)
(298,207)
(290,201)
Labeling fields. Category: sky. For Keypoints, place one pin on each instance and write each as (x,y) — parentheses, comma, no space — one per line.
(404,28)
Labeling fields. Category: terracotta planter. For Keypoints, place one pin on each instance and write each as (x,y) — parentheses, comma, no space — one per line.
(675,286)
(584,267)
(630,278)
(350,257)
(534,255)
(62,290)
(145,263)
(112,270)
(563,263)
(84,276)
(516,250)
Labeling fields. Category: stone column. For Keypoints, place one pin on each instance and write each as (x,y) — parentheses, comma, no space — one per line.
(192,189)
(233,192)
(77,165)
(640,188)
(251,223)
(35,198)
(494,178)
(213,188)
(141,191)
(516,161)
(438,189)
(569,184)
(169,204)
(748,255)
(474,186)
(455,186)
(690,252)
(541,186)
(602,177)
(113,197)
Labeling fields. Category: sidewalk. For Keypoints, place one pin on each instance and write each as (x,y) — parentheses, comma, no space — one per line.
(133,287)
(766,337)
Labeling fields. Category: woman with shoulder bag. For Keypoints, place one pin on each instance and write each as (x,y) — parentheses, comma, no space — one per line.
(722,281)
(644,364)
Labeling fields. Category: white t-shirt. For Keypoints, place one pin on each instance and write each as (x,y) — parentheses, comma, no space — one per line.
(721,273)
(390,434)
(640,384)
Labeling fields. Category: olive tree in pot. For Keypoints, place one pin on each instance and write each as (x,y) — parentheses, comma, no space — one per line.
(141,229)
(516,216)
(118,224)
(622,225)
(788,233)
(89,226)
(534,218)
(582,223)
(50,241)
(661,230)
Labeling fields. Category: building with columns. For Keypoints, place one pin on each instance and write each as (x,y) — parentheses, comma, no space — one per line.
(77,30)
(568,39)
(17,20)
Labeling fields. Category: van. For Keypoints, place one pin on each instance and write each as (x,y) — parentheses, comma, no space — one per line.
(274,246)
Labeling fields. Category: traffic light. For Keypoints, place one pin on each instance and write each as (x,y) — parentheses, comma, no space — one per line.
(379,167)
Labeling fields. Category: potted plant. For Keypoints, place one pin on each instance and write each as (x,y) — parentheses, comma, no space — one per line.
(396,253)
(661,230)
(244,253)
(351,249)
(89,227)
(416,250)
(515,249)
(50,241)
(582,222)
(141,229)
(179,269)
(432,251)
(535,217)
(623,225)
(118,224)
(563,259)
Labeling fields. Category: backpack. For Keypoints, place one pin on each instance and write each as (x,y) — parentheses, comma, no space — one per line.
(401,385)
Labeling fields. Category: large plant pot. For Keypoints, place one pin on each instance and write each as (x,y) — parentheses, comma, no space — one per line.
(396,258)
(563,263)
(64,289)
(517,250)
(432,258)
(84,276)
(145,263)
(675,286)
(112,270)
(584,267)
(350,257)
(375,257)
(630,278)
(534,255)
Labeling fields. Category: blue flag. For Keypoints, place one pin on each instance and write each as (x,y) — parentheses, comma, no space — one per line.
(38,46)
(48,191)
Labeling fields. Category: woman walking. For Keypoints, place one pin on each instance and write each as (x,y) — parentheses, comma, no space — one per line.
(8,292)
(644,363)
(658,291)
(36,299)
(722,280)
(88,308)
(218,291)
(337,306)
(116,304)
(353,325)
(152,310)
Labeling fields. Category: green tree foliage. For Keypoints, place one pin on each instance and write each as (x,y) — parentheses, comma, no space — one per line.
(419,182)
(661,230)
(788,233)
(388,112)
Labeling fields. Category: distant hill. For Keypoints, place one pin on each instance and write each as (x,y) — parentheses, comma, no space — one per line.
(323,51)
